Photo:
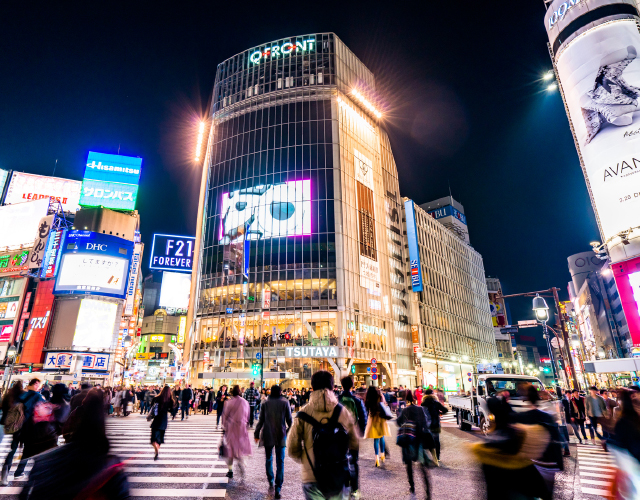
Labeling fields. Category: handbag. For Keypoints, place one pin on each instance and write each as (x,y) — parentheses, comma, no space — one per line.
(153,412)
(386,412)
(222,450)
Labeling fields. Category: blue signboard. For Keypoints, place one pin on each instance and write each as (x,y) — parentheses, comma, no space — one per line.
(113,168)
(172,253)
(91,361)
(447,211)
(94,264)
(97,193)
(414,249)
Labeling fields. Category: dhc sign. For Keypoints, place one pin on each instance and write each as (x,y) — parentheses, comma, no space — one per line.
(282,50)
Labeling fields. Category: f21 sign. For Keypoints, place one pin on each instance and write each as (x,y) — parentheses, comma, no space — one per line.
(172,253)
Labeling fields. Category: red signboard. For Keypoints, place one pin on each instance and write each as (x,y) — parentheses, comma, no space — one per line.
(627,276)
(39,322)
(5,333)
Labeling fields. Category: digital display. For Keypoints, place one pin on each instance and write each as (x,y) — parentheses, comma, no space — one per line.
(266,211)
(111,181)
(29,187)
(600,76)
(96,321)
(172,253)
(94,263)
(627,277)
(18,223)
(175,290)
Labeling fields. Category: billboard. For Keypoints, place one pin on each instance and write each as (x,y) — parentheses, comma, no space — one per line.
(414,249)
(600,75)
(627,276)
(132,281)
(38,326)
(172,253)
(95,325)
(36,256)
(4,175)
(175,290)
(267,211)
(94,362)
(369,265)
(29,187)
(18,223)
(111,181)
(52,253)
(94,263)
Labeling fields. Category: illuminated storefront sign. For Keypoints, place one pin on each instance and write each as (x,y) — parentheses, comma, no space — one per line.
(52,254)
(311,352)
(108,194)
(156,338)
(285,49)
(38,323)
(366,328)
(172,253)
(90,361)
(5,333)
(133,280)
(18,223)
(15,262)
(182,328)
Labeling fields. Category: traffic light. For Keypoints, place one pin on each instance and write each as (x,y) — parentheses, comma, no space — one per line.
(30,368)
(353,369)
(255,369)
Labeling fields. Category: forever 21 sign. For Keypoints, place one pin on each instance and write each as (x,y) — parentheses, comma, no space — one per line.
(172,253)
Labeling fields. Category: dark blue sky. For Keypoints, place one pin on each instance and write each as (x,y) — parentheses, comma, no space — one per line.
(461,81)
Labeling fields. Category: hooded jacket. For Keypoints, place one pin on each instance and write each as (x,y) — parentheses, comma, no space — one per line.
(320,407)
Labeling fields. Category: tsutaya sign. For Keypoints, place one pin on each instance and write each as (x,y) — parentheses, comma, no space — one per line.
(282,50)
(311,352)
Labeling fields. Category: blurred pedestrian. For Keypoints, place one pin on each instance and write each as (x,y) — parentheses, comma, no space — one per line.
(626,433)
(435,409)
(221,397)
(78,398)
(160,420)
(252,397)
(10,399)
(235,418)
(377,427)
(578,414)
(359,414)
(186,400)
(28,436)
(273,425)
(82,469)
(596,411)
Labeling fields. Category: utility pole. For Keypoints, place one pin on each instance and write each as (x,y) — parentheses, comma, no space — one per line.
(434,344)
(565,337)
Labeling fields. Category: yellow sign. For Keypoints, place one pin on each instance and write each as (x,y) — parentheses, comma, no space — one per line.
(182,329)
(156,338)
(144,355)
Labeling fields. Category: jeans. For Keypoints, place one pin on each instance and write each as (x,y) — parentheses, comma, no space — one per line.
(144,407)
(14,446)
(219,415)
(185,409)
(436,440)
(252,415)
(564,433)
(424,475)
(580,423)
(268,451)
(311,492)
(355,470)
(376,442)
(593,428)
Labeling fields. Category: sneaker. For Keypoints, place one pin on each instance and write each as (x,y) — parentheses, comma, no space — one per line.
(566,453)
(155,457)
(412,489)
(230,474)
(270,485)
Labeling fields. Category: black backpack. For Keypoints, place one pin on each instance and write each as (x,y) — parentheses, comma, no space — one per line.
(331,448)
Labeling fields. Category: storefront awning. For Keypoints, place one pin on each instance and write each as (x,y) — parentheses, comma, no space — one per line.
(612,365)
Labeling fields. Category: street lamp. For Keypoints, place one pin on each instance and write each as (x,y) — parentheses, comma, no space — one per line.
(541,308)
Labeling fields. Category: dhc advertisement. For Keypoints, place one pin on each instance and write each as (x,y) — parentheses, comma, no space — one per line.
(414,249)
(94,264)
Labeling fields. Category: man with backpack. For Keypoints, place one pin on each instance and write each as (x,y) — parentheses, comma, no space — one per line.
(321,438)
(356,407)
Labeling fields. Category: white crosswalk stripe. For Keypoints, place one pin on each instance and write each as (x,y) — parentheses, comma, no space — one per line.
(188,465)
(449,418)
(596,469)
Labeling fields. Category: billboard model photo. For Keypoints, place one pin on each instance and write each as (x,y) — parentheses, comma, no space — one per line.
(29,187)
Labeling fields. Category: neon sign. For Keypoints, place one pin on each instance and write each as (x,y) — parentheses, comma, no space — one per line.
(282,50)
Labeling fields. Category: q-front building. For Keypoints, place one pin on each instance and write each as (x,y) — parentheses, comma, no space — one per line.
(300,247)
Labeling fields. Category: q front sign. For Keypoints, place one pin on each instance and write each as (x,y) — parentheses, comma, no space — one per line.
(285,49)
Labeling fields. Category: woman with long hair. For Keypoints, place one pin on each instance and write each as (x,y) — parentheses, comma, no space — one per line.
(161,419)
(377,427)
(235,420)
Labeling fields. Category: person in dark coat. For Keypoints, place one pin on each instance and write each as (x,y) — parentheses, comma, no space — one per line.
(83,468)
(414,451)
(351,401)
(578,414)
(221,397)
(435,409)
(28,434)
(161,420)
(59,395)
(79,398)
(626,433)
(274,422)
(187,398)
(11,397)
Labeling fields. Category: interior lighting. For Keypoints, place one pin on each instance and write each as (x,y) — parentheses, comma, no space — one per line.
(199,144)
(366,103)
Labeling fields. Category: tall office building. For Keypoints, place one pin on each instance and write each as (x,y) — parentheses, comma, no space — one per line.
(300,253)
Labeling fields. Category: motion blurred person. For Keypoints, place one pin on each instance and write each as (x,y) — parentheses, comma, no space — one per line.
(82,469)
(79,398)
(626,433)
(221,397)
(435,409)
(28,437)
(578,414)
(251,396)
(235,418)
(274,422)
(377,427)
(11,398)
(356,407)
(161,419)
(186,399)
(596,410)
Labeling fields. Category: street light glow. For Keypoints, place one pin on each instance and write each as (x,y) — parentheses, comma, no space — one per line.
(366,103)
(548,76)
(552,87)
(199,143)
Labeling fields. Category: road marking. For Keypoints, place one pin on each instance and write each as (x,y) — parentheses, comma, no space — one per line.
(177,479)
(594,491)
(178,492)
(185,470)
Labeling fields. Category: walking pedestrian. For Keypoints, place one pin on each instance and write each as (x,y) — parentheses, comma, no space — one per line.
(186,399)
(204,401)
(176,401)
(10,399)
(272,429)
(435,409)
(377,427)
(221,397)
(147,400)
(418,398)
(596,411)
(356,407)
(160,421)
(566,407)
(325,462)
(235,417)
(578,414)
(251,396)
(413,435)
(29,400)
(117,402)
(79,398)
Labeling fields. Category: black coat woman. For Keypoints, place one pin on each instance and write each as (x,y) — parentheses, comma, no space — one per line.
(161,418)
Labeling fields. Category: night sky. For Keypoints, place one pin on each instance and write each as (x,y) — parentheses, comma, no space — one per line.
(465,108)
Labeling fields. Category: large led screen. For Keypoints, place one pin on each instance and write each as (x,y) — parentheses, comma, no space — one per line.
(107,194)
(175,290)
(95,325)
(18,223)
(29,187)
(627,276)
(600,75)
(267,211)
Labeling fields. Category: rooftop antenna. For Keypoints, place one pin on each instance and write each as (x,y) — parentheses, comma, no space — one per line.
(449,184)
(54,167)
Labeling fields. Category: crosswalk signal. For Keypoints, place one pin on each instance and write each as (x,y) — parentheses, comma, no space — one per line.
(353,369)
(255,369)
(30,368)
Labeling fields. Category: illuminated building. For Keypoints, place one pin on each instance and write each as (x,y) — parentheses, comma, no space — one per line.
(300,236)
(450,312)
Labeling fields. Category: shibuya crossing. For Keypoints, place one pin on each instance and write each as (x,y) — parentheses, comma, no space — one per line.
(300,258)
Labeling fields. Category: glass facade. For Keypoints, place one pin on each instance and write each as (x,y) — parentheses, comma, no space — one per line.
(301,238)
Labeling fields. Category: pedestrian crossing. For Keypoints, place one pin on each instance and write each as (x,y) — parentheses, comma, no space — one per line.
(449,418)
(188,465)
(596,469)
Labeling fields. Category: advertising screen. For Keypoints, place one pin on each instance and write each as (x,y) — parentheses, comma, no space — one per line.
(39,322)
(267,211)
(18,223)
(172,253)
(627,276)
(96,321)
(600,75)
(29,187)
(94,263)
(369,265)
(414,249)
(175,290)
(108,194)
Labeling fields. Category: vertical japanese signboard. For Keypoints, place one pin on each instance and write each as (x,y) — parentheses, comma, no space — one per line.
(36,256)
(414,249)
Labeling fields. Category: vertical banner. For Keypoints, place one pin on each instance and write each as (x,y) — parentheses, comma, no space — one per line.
(133,280)
(627,277)
(369,265)
(36,256)
(414,249)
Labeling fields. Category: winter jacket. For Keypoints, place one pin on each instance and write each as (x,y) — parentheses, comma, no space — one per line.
(321,406)
(414,452)
(596,407)
(362,413)
(274,422)
(187,395)
(578,404)
(435,408)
